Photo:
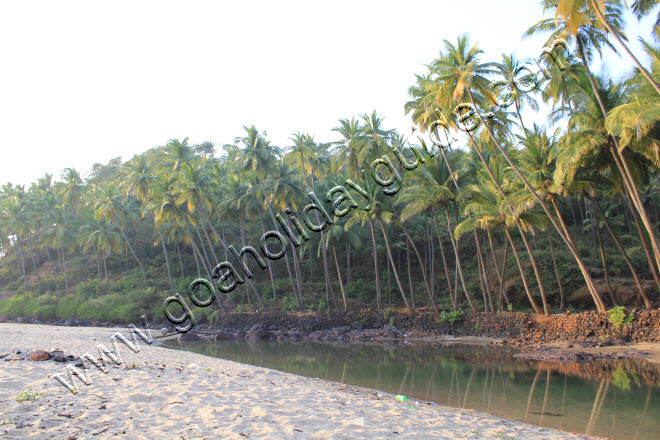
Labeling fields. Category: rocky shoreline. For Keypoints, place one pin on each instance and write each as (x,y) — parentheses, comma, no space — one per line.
(570,332)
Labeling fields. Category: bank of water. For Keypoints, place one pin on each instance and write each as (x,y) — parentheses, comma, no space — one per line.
(613,399)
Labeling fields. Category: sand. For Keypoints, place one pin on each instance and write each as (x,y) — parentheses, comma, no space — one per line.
(161,393)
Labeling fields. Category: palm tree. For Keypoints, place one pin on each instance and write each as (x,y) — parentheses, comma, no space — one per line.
(58,235)
(429,188)
(306,155)
(517,83)
(379,214)
(460,71)
(104,237)
(338,235)
(601,11)
(578,22)
(108,206)
(194,189)
(136,177)
(489,211)
(72,189)
(14,219)
(259,156)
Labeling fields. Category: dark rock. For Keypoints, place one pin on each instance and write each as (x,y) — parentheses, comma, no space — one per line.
(69,322)
(4,318)
(40,355)
(356,325)
(20,425)
(61,359)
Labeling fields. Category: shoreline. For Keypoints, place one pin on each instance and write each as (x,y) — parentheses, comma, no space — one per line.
(174,394)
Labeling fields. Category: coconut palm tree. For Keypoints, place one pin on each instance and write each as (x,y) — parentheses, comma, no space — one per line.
(576,21)
(58,234)
(259,156)
(108,206)
(460,71)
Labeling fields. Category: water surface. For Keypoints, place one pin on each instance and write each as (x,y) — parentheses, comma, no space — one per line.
(614,399)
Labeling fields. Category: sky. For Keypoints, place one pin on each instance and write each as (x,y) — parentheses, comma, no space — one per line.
(85,82)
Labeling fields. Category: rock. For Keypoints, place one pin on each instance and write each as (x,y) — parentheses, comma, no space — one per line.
(256,332)
(60,359)
(20,425)
(69,322)
(4,318)
(40,355)
(356,325)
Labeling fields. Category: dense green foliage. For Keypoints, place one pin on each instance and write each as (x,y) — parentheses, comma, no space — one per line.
(519,216)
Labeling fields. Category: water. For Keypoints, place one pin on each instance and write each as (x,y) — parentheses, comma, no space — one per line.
(614,399)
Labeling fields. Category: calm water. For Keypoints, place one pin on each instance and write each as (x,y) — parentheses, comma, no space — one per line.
(615,399)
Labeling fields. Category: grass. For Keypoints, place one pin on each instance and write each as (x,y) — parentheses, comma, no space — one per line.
(28,395)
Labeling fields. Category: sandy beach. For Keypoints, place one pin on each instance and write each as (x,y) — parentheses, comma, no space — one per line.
(161,393)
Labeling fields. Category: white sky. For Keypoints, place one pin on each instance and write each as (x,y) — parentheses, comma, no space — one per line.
(83,82)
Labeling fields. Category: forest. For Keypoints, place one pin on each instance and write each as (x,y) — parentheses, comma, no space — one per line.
(493,212)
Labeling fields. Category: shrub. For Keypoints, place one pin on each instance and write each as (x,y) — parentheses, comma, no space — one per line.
(67,307)
(452,317)
(91,288)
(617,316)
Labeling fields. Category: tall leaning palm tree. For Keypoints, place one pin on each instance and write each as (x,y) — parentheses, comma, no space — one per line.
(573,19)
(459,72)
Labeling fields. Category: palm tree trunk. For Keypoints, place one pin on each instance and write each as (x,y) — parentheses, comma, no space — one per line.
(341,285)
(20,250)
(198,257)
(396,273)
(34,263)
(389,284)
(419,257)
(144,275)
(594,293)
(431,259)
(622,165)
(98,265)
(178,252)
(297,294)
(379,302)
(105,269)
(537,272)
(492,251)
(270,268)
(554,262)
(348,268)
(483,270)
(454,244)
(522,273)
(641,68)
(66,278)
(167,259)
(243,241)
(444,260)
(645,246)
(603,259)
(324,252)
(522,124)
(502,291)
(638,283)
(410,283)
(222,242)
